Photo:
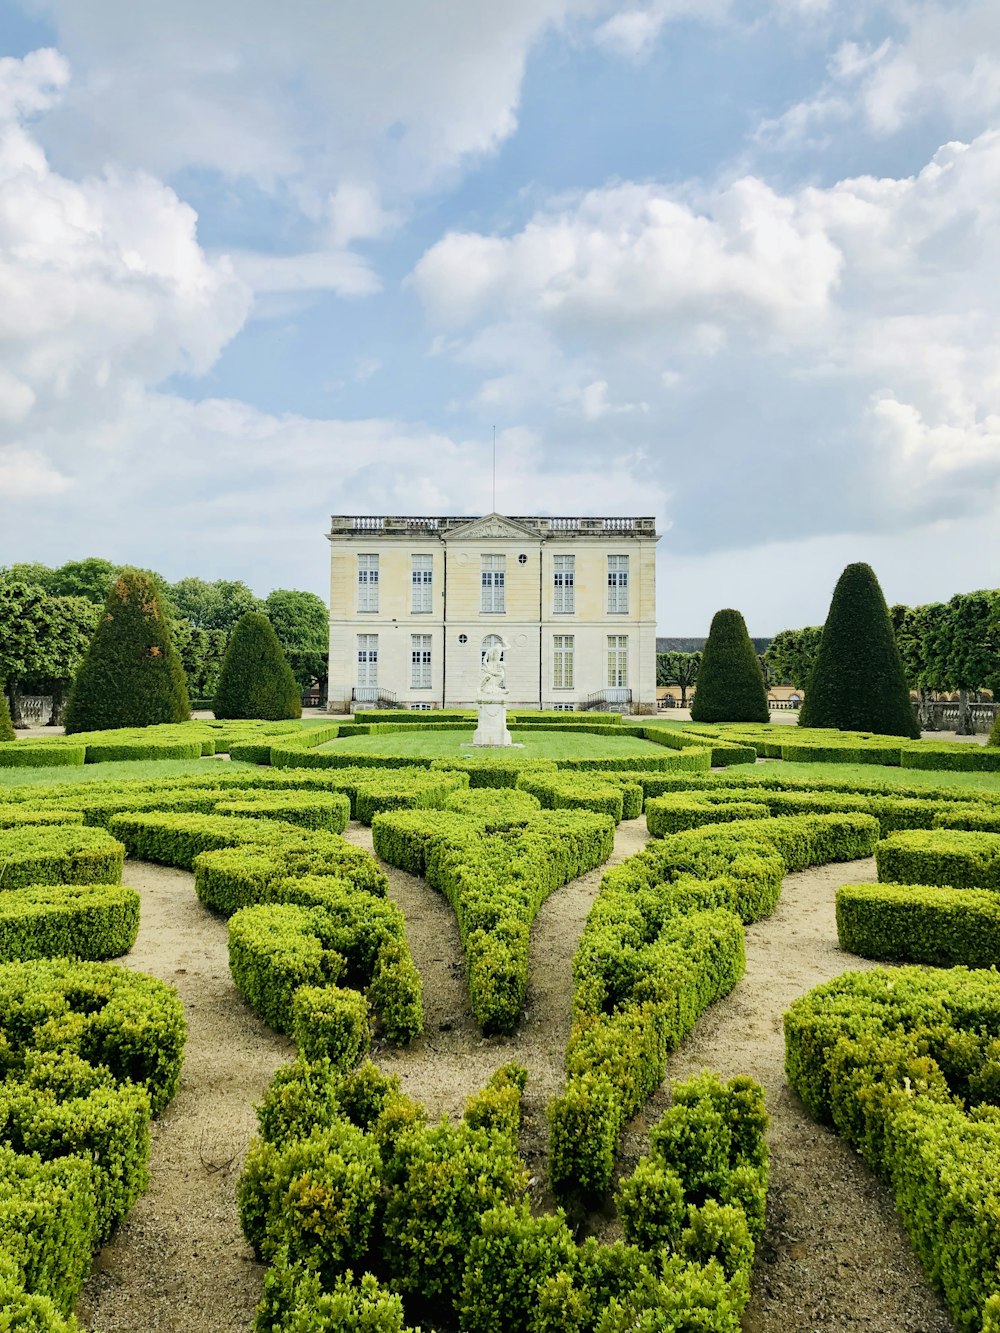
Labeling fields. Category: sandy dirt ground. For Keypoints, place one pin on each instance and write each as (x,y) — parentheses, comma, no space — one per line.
(834,1256)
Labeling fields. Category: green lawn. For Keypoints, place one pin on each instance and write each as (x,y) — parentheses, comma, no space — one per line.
(862,773)
(451,744)
(116,772)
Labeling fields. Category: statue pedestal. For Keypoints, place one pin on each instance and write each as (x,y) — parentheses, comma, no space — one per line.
(492,729)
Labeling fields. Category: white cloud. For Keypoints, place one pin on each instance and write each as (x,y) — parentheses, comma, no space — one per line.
(342,272)
(850,334)
(103,286)
(26,474)
(31,85)
(635,31)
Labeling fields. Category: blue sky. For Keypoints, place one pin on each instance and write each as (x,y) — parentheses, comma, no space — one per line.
(734,264)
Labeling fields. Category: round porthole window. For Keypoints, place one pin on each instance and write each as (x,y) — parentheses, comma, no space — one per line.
(463,638)
(522,559)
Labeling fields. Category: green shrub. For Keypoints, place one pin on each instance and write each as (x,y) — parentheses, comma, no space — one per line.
(730,685)
(242,876)
(315,1199)
(131,675)
(440,1183)
(47,1235)
(330,1024)
(313,810)
(91,921)
(58,854)
(295,1301)
(676,812)
(960,758)
(940,856)
(917,923)
(903,1064)
(20,814)
(857,683)
(256,680)
(6,726)
(24,754)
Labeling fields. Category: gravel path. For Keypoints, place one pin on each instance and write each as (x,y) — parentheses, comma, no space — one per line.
(180,1264)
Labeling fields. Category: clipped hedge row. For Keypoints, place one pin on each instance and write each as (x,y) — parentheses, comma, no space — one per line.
(58,854)
(180,740)
(25,754)
(580,791)
(313,810)
(317,931)
(960,758)
(964,860)
(90,921)
(495,883)
(663,940)
(920,923)
(348,1175)
(91,1051)
(904,1065)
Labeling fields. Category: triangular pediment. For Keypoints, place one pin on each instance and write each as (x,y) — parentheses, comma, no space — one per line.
(493,527)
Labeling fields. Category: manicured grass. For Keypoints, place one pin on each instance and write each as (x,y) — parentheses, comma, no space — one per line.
(864,774)
(452,744)
(116,772)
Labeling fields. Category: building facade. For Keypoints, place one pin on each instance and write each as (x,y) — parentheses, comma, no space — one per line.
(415,602)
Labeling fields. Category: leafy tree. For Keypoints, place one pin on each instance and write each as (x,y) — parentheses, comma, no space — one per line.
(91,578)
(6,726)
(201,652)
(858,682)
(42,641)
(676,668)
(256,679)
(132,675)
(730,686)
(216,605)
(302,624)
(791,655)
(29,572)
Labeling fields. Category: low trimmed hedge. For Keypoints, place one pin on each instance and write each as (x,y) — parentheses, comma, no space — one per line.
(21,815)
(317,931)
(90,1052)
(23,754)
(90,921)
(903,1064)
(677,761)
(579,791)
(58,854)
(963,860)
(493,770)
(109,752)
(663,940)
(176,839)
(312,810)
(959,759)
(495,883)
(920,923)
(241,876)
(676,812)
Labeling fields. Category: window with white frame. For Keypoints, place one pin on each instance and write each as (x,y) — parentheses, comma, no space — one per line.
(617,661)
(564,584)
(420,661)
(492,578)
(422,583)
(367,582)
(562,661)
(618,585)
(367,661)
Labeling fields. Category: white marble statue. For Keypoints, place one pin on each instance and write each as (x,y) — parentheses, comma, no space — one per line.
(492,728)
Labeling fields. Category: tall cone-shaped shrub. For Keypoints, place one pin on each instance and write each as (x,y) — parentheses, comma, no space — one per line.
(994,734)
(256,679)
(730,685)
(6,726)
(131,675)
(858,683)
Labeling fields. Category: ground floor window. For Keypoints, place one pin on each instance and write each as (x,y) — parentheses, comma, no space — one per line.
(367,661)
(617,661)
(562,661)
(420,661)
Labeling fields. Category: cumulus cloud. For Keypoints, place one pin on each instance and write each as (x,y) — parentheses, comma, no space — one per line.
(847,334)
(104,288)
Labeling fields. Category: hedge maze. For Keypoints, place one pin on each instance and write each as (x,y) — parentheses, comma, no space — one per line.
(366,1214)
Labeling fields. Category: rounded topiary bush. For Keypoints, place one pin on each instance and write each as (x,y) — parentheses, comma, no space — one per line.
(6,726)
(730,686)
(132,675)
(256,679)
(857,683)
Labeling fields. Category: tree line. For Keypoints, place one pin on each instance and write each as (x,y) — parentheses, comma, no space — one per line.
(945,647)
(48,617)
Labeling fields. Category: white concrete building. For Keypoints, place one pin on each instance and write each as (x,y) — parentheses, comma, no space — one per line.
(414,603)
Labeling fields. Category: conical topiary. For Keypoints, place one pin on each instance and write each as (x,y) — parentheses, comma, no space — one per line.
(6,726)
(256,679)
(995,733)
(858,683)
(131,675)
(730,685)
